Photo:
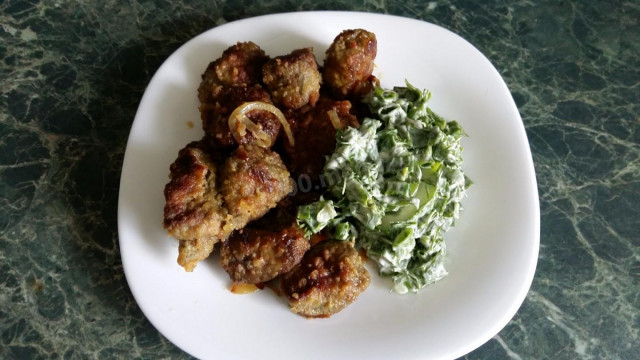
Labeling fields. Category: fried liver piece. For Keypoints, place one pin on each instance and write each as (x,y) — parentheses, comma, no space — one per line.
(193,209)
(215,115)
(227,83)
(330,277)
(253,181)
(191,252)
(206,202)
(348,64)
(293,80)
(239,65)
(315,136)
(255,255)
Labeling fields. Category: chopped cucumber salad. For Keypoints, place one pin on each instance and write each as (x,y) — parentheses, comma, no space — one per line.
(394,186)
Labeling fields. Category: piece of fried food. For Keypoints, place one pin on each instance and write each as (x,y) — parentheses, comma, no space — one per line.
(194,211)
(330,277)
(293,80)
(215,115)
(256,255)
(193,208)
(253,181)
(239,65)
(191,252)
(206,202)
(348,64)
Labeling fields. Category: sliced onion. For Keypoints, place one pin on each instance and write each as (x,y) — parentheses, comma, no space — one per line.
(239,123)
(335,120)
(240,288)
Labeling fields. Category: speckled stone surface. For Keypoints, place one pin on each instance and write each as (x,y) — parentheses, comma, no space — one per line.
(72,74)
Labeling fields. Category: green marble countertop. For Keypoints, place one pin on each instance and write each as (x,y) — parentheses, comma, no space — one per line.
(72,74)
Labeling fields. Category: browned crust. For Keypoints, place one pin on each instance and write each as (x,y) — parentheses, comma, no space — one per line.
(239,65)
(349,63)
(259,255)
(193,208)
(205,202)
(215,115)
(330,277)
(191,252)
(253,179)
(293,80)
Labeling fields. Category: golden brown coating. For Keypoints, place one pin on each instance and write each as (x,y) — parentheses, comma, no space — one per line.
(205,202)
(348,64)
(293,80)
(315,135)
(226,189)
(194,211)
(215,115)
(193,208)
(227,83)
(239,65)
(191,252)
(253,255)
(330,276)
(254,180)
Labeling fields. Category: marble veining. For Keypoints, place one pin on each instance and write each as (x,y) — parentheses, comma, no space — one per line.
(72,74)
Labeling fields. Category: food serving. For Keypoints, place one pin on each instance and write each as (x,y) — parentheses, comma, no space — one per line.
(382,172)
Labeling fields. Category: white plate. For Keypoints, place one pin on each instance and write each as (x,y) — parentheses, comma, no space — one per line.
(492,252)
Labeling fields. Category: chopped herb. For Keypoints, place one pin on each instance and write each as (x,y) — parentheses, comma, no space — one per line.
(394,186)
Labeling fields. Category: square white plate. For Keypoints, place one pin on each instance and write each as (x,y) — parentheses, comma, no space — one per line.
(492,251)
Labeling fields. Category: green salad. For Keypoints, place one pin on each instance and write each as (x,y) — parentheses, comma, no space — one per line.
(394,185)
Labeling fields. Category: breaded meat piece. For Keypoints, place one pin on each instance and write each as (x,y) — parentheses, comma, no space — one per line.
(256,255)
(215,115)
(349,63)
(239,65)
(330,277)
(206,202)
(253,181)
(194,211)
(191,252)
(293,80)
(315,135)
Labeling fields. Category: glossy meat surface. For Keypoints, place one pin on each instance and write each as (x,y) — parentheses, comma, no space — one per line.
(215,115)
(239,65)
(193,209)
(256,255)
(330,277)
(205,202)
(293,80)
(253,181)
(349,63)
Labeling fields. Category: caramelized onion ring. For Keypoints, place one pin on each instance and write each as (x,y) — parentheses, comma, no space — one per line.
(335,120)
(239,123)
